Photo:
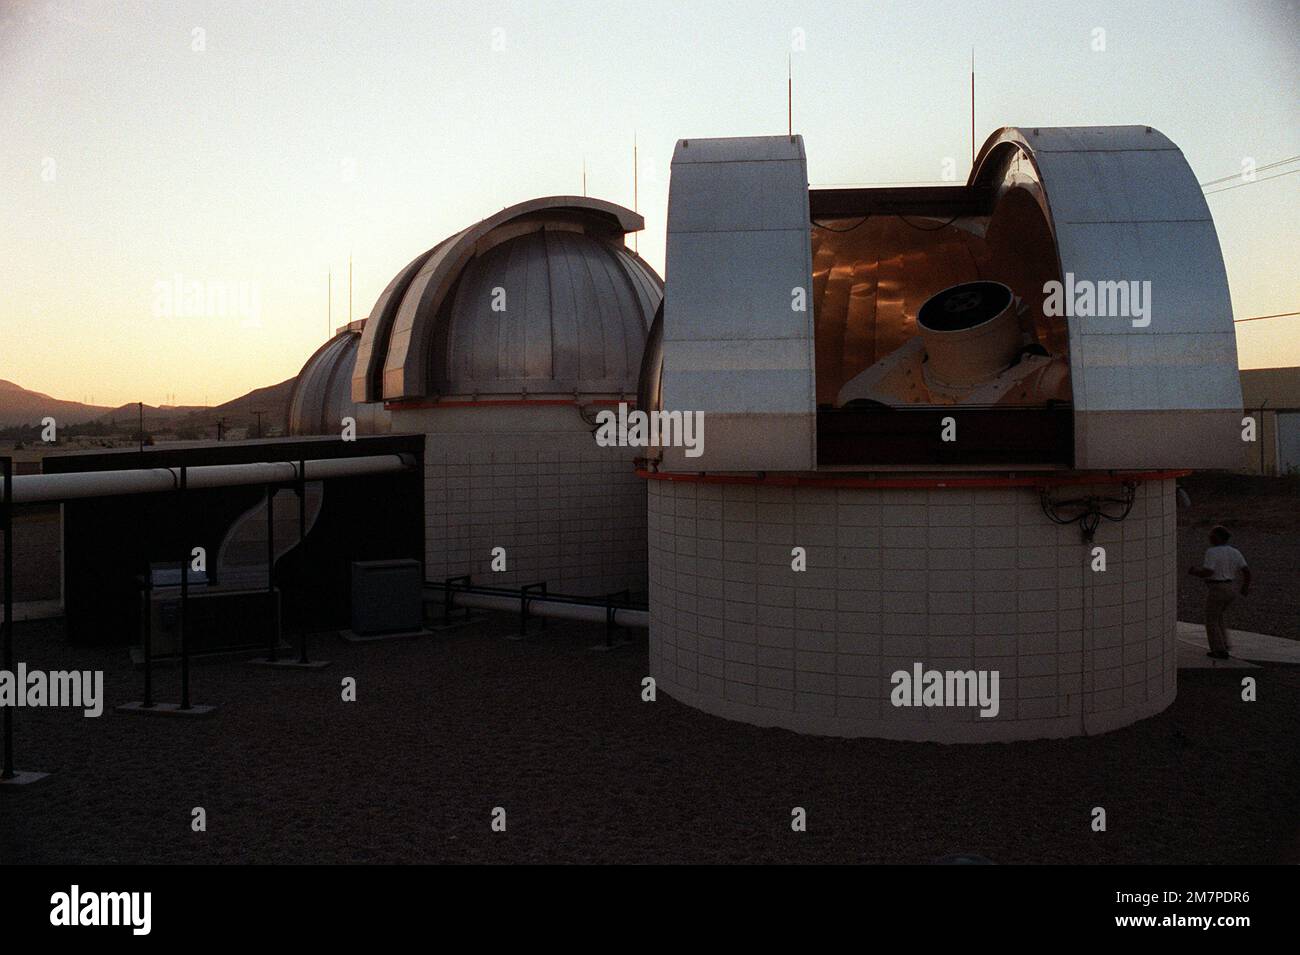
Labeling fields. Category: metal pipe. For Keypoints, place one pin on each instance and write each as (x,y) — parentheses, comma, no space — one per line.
(32,488)
(558,609)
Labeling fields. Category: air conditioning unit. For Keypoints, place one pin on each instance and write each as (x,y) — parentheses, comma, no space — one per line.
(217,620)
(387,596)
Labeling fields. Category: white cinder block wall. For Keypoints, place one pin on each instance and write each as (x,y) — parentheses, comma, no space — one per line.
(952,578)
(534,481)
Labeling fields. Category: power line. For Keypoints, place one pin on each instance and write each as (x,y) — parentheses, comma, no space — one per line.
(1237,175)
(1289,172)
(1260,318)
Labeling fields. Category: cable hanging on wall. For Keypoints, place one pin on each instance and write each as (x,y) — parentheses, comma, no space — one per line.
(1088,511)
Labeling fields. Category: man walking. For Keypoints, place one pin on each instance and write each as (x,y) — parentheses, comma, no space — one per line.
(1219,571)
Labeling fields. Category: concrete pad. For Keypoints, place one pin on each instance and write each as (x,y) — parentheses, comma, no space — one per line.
(290,663)
(533,632)
(352,636)
(21,778)
(456,624)
(1243,645)
(165,709)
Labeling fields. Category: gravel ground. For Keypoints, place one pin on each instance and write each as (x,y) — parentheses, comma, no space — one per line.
(449,727)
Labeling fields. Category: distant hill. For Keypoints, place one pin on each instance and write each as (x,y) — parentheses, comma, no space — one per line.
(272,401)
(20,406)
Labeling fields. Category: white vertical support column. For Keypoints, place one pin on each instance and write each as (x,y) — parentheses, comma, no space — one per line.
(738,320)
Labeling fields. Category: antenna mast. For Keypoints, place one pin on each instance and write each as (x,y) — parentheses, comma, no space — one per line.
(635,187)
(789,96)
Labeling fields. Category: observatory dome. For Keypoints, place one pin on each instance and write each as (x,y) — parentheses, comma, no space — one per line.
(541,298)
(322,394)
(915,454)
(501,344)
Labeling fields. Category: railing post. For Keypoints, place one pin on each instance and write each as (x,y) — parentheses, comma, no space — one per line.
(302,555)
(146,587)
(524,593)
(270,572)
(448,592)
(185,592)
(7,772)
(623,597)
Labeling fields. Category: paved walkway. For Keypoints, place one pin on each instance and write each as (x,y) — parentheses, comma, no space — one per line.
(1246,646)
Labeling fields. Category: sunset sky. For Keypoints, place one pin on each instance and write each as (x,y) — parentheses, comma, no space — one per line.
(252,146)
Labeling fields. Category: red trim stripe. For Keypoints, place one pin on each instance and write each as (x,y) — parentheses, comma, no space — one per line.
(790,480)
(416,403)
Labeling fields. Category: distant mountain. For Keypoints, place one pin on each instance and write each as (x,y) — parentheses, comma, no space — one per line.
(20,406)
(272,401)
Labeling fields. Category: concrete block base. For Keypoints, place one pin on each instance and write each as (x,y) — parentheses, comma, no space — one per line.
(165,709)
(616,645)
(521,637)
(959,581)
(21,778)
(457,624)
(290,663)
(352,636)
(173,661)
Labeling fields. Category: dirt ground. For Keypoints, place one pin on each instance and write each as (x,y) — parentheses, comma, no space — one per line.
(447,728)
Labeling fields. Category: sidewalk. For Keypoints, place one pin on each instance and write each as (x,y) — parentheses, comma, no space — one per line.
(1246,646)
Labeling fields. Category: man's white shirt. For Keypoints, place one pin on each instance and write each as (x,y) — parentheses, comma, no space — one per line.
(1224,562)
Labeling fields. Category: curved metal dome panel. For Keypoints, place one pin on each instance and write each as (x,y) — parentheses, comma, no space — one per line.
(568,317)
(1112,211)
(322,394)
(1161,390)
(368,373)
(542,297)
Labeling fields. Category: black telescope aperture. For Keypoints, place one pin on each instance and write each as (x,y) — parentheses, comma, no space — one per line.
(964,306)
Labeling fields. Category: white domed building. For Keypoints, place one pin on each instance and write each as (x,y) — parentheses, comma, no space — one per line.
(501,344)
(923,481)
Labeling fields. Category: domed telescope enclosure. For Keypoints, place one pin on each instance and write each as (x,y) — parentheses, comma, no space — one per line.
(935,498)
(502,343)
(322,394)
